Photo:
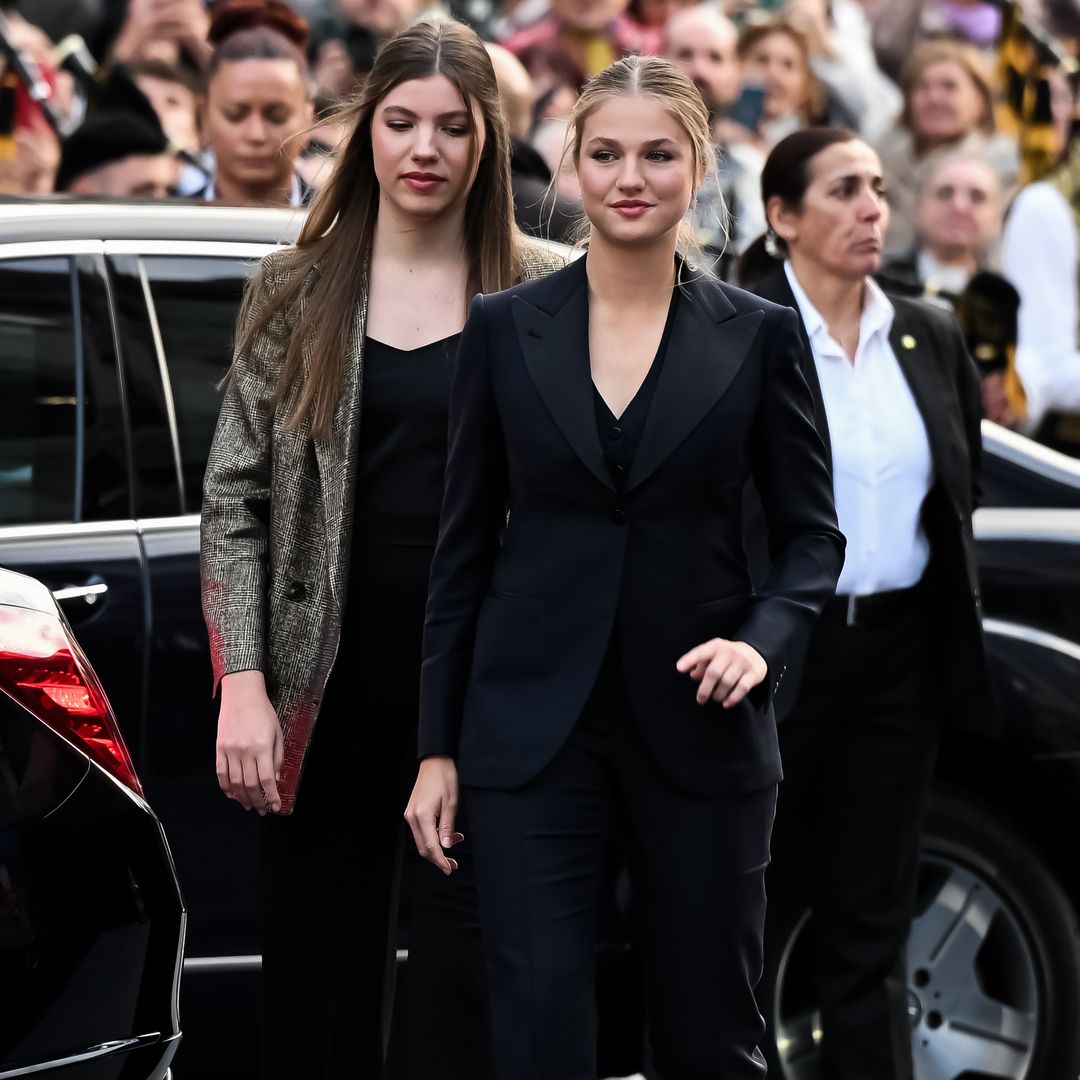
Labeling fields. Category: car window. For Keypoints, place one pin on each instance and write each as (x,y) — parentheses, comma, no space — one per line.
(1018,472)
(196,300)
(38,392)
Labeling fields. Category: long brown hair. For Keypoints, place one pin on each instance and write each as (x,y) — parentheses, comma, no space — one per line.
(327,269)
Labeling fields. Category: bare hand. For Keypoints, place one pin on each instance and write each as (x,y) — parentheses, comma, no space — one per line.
(726,671)
(250,746)
(151,24)
(432,809)
(812,18)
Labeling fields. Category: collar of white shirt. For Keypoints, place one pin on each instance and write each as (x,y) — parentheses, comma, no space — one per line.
(877,316)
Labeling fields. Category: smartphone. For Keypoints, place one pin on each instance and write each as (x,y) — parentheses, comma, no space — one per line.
(749,106)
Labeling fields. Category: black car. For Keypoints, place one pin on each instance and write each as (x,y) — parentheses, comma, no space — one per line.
(91,921)
(115,329)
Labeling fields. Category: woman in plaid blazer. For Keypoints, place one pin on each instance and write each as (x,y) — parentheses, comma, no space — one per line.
(320,514)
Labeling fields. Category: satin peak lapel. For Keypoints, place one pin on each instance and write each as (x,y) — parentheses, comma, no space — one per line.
(555,347)
(705,351)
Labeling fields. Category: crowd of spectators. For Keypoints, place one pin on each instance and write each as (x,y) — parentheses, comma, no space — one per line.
(236,101)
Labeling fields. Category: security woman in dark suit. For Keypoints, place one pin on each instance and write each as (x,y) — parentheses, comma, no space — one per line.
(899,649)
(589,571)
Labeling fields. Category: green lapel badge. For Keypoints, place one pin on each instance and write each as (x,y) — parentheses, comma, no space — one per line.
(908,341)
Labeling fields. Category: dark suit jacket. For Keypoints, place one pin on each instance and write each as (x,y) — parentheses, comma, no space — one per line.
(945,384)
(539,557)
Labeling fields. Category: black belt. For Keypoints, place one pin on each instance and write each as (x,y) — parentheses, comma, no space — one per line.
(874,609)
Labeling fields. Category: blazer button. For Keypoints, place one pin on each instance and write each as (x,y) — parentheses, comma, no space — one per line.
(618,517)
(296,591)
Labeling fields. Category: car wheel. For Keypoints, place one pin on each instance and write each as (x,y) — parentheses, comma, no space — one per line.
(993,961)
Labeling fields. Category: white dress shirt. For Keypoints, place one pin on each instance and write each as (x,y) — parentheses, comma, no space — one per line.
(882,468)
(1039,254)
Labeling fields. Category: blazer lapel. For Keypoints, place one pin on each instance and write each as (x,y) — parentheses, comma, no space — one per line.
(337,462)
(555,344)
(777,288)
(705,351)
(913,350)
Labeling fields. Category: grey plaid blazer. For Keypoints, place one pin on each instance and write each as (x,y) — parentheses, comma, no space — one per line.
(277,526)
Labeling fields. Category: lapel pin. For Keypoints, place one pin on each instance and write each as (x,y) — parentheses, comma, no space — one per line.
(908,341)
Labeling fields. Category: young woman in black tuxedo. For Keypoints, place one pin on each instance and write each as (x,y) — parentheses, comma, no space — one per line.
(594,654)
(899,649)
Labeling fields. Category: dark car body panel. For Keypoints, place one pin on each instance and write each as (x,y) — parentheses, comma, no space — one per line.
(91,916)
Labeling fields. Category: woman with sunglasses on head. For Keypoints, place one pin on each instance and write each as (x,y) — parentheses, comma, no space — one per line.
(319,518)
(899,651)
(594,655)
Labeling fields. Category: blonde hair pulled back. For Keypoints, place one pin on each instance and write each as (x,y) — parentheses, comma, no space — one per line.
(671,88)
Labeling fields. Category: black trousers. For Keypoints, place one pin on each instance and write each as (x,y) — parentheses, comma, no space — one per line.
(858,750)
(697,869)
(334,869)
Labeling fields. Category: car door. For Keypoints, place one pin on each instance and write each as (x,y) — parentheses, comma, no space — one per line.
(65,497)
(176,305)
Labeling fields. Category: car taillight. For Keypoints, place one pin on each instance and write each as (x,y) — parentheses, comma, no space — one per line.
(43,669)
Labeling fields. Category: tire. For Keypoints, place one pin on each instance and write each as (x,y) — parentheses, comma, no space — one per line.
(993,961)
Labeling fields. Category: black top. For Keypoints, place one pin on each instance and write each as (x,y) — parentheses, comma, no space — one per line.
(620,435)
(402,450)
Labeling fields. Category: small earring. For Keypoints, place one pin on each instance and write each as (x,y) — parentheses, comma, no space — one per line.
(772,244)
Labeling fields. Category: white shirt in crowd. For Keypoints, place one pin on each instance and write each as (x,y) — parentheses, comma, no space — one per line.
(882,468)
(1040,257)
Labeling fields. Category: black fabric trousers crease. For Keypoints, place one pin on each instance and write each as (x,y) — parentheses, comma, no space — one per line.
(333,871)
(697,868)
(858,750)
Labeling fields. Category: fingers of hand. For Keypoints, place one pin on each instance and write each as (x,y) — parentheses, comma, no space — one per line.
(414,826)
(424,825)
(718,678)
(741,688)
(267,783)
(236,781)
(222,766)
(432,849)
(279,753)
(695,658)
(252,790)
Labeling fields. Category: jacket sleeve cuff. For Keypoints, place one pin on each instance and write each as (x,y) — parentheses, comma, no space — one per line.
(250,659)
(754,634)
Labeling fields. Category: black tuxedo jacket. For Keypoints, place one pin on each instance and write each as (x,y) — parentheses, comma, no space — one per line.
(540,558)
(945,384)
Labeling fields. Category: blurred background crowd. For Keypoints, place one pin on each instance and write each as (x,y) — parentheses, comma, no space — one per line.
(972,106)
